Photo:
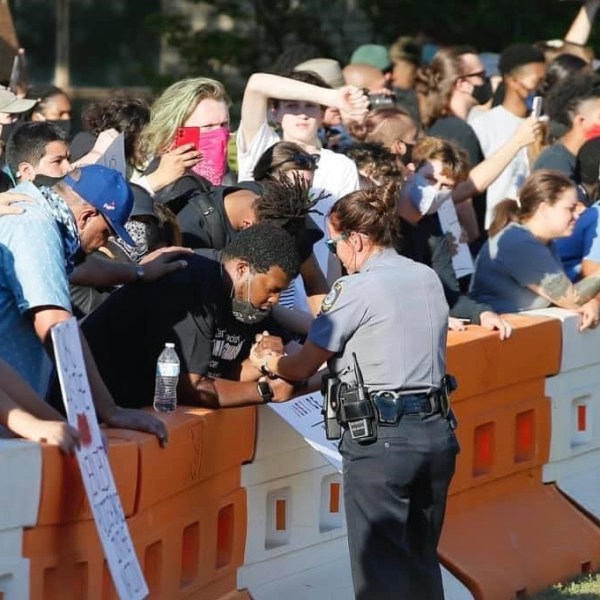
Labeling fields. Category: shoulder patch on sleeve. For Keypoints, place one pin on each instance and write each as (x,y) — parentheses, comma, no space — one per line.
(332,296)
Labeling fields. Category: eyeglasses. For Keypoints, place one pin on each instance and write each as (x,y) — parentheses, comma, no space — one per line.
(476,74)
(333,242)
(303,162)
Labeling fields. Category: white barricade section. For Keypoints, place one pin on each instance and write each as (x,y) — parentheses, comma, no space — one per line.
(20,487)
(574,461)
(453,588)
(296,545)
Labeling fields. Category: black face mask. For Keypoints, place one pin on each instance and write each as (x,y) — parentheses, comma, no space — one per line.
(245,311)
(483,93)
(406,158)
(63,125)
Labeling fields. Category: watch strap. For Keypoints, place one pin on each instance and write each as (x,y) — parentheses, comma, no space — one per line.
(264,390)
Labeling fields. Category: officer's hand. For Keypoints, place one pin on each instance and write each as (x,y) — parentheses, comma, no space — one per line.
(161,262)
(491,320)
(282,390)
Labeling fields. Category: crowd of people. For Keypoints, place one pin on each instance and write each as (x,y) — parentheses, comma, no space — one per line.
(356,215)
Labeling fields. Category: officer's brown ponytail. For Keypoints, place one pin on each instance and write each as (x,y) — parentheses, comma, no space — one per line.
(370,212)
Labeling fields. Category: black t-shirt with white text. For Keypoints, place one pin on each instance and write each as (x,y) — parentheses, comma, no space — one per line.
(190,308)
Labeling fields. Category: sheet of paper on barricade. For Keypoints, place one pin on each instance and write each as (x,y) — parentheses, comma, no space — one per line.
(304,415)
(95,469)
(114,155)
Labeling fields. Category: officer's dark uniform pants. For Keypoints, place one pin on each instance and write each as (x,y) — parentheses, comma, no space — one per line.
(395,495)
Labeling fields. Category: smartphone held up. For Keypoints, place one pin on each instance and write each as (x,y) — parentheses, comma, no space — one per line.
(188,135)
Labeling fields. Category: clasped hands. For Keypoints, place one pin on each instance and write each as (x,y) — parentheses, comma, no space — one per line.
(265,345)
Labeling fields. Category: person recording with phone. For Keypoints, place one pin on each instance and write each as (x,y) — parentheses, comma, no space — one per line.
(382,331)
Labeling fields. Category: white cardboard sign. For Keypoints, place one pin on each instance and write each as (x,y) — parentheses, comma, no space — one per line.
(114,156)
(95,469)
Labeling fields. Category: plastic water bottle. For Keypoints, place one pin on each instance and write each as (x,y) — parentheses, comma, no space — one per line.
(167,374)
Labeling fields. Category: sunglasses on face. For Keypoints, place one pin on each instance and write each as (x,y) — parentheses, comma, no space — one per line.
(332,243)
(303,162)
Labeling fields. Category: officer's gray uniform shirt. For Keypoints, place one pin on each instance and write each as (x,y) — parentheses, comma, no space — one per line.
(394,316)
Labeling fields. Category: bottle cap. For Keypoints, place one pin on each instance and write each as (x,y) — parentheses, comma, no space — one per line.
(169,345)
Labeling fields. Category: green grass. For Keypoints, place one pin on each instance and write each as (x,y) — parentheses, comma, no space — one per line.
(586,587)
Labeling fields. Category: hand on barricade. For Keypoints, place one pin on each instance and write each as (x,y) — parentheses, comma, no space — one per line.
(455,324)
(132,418)
(491,320)
(55,433)
(590,314)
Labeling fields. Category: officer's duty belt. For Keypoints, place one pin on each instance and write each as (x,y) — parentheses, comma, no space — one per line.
(390,406)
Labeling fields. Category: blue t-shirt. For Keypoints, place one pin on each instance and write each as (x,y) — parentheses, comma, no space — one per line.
(32,274)
(507,264)
(582,244)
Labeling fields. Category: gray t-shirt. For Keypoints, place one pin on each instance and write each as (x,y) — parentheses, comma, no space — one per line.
(394,316)
(558,158)
(507,264)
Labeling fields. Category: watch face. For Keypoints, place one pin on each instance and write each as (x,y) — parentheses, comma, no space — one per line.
(265,391)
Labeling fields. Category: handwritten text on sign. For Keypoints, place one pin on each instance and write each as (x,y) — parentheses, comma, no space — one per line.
(93,463)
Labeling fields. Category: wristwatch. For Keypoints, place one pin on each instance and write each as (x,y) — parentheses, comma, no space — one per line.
(264,369)
(264,390)
(139,273)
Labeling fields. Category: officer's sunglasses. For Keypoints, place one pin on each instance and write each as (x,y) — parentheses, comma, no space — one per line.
(332,243)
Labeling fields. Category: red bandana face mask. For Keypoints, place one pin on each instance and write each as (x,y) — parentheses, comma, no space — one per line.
(592,132)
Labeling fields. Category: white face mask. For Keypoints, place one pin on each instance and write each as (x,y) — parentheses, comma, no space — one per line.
(425,197)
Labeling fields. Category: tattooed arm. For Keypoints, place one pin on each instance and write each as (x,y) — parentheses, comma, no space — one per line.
(558,289)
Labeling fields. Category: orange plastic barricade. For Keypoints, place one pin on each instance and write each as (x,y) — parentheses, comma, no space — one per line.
(505,532)
(63,495)
(516,537)
(187,514)
(204,442)
(504,417)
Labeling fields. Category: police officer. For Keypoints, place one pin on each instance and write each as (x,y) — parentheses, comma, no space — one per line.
(391,313)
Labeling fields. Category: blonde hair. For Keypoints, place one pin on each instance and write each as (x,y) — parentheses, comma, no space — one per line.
(171,110)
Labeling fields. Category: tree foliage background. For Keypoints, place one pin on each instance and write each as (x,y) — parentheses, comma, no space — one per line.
(118,43)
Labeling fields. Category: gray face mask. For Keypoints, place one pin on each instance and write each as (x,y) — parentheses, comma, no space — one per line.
(244,310)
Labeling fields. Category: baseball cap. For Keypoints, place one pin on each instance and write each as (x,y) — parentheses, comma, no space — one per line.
(372,54)
(10,104)
(328,68)
(107,191)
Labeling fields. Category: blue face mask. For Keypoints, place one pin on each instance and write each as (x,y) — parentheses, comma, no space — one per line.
(529,100)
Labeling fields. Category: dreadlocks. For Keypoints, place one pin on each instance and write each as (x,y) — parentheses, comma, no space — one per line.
(285,203)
